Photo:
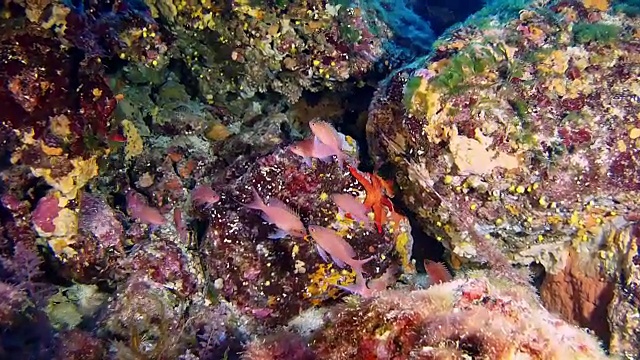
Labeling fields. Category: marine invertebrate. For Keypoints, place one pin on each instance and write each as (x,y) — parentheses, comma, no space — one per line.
(376,200)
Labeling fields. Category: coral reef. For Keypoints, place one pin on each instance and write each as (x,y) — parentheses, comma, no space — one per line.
(516,141)
(277,279)
(238,50)
(167,190)
(466,318)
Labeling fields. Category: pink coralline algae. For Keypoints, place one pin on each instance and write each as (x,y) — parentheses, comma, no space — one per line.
(39,95)
(97,219)
(44,214)
(466,318)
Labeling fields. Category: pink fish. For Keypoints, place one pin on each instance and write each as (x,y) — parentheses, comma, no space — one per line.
(331,244)
(180,224)
(309,148)
(326,134)
(438,273)
(350,204)
(374,286)
(204,195)
(279,214)
(139,210)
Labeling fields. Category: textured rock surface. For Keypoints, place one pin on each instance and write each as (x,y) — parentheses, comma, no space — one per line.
(471,317)
(279,278)
(527,132)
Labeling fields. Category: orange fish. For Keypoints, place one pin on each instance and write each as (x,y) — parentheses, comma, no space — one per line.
(437,272)
(330,244)
(279,214)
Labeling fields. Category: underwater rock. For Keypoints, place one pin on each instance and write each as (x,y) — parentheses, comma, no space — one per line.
(518,141)
(236,52)
(43,98)
(89,245)
(275,279)
(80,345)
(479,317)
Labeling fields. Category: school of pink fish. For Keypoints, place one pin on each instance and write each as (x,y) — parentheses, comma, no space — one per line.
(325,144)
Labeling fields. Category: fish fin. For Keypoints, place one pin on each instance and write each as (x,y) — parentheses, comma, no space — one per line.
(343,141)
(257,203)
(278,234)
(438,273)
(307,161)
(342,158)
(282,205)
(338,262)
(318,143)
(323,254)
(359,287)
(356,265)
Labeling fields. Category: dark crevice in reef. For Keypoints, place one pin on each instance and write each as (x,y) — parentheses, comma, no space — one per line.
(355,121)
(185,76)
(442,14)
(353,124)
(424,246)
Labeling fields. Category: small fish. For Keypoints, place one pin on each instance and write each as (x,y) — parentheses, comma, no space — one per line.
(374,286)
(117,137)
(437,272)
(326,134)
(350,204)
(279,214)
(139,210)
(204,195)
(331,244)
(309,148)
(180,224)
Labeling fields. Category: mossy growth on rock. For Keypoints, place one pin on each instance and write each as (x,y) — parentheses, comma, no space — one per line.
(602,33)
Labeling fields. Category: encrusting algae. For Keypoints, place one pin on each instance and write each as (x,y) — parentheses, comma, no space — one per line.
(139,131)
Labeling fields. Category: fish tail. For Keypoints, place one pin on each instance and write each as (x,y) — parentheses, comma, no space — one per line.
(356,265)
(257,203)
(342,158)
(359,287)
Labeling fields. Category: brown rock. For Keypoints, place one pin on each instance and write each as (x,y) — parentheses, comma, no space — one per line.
(580,295)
